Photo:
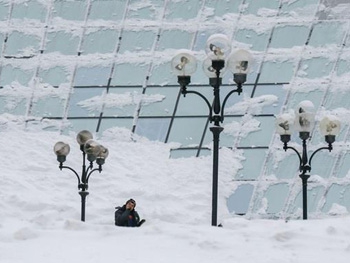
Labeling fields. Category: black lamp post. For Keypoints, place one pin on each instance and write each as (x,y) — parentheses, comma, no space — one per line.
(184,64)
(304,122)
(92,151)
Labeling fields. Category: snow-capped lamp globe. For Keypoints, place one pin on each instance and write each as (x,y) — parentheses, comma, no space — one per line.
(240,63)
(61,149)
(183,65)
(91,151)
(101,157)
(82,137)
(330,127)
(284,127)
(218,48)
(305,119)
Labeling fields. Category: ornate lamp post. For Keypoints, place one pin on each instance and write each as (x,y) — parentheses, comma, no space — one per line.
(219,58)
(304,122)
(92,151)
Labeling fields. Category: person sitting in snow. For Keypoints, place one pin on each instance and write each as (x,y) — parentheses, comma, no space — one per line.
(126,215)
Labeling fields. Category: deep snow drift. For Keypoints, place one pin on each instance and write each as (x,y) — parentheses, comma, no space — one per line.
(40,209)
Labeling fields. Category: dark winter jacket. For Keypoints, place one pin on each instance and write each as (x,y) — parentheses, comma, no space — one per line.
(124,217)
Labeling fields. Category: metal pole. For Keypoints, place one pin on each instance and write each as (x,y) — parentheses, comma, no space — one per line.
(304,178)
(83,195)
(216,130)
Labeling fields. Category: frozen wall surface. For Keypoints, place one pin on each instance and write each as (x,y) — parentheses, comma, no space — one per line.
(98,65)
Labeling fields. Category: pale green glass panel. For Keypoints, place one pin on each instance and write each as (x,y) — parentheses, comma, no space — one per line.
(287,168)
(192,104)
(238,202)
(234,97)
(77,125)
(276,196)
(80,95)
(54,76)
(314,194)
(94,76)
(69,10)
(289,36)
(110,123)
(101,41)
(162,75)
(222,7)
(256,41)
(187,153)
(130,74)
(261,137)
(314,96)
(182,10)
(259,7)
(161,101)
(227,137)
(273,72)
(31,9)
(48,107)
(15,105)
(21,45)
(315,68)
(266,90)
(128,99)
(344,166)
(153,9)
(107,10)
(187,131)
(343,67)
(175,39)
(11,74)
(137,41)
(1,42)
(327,32)
(4,11)
(322,163)
(63,42)
(304,7)
(251,172)
(337,195)
(154,129)
(338,99)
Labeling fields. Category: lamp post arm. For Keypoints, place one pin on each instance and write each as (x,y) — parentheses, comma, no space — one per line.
(69,168)
(184,92)
(94,170)
(319,149)
(295,150)
(238,90)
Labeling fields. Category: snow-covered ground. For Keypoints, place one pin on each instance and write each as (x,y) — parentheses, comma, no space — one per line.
(40,209)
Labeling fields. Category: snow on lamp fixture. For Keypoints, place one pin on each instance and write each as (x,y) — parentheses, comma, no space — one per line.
(218,47)
(304,123)
(330,127)
(239,63)
(91,151)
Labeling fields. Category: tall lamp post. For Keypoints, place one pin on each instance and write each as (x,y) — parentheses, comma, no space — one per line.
(303,120)
(92,152)
(218,48)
